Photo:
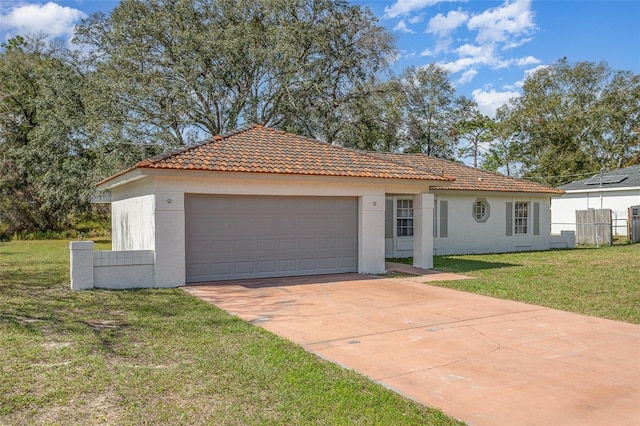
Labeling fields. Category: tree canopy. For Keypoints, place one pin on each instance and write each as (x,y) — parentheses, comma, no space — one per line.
(156,74)
(44,161)
(178,70)
(573,119)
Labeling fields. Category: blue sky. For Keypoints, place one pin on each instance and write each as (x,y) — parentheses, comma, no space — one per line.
(488,46)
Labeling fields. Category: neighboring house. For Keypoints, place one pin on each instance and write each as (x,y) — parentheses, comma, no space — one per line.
(616,190)
(480,212)
(259,202)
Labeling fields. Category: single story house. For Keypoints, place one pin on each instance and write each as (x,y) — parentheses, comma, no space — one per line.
(259,202)
(617,190)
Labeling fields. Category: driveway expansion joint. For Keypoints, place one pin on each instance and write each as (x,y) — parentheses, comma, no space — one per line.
(430,327)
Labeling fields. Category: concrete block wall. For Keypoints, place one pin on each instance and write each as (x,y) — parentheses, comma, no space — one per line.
(566,239)
(110,269)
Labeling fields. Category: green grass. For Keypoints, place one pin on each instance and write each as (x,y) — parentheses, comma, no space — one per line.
(602,282)
(160,357)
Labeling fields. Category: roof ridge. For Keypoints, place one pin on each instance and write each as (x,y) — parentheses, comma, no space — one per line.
(406,164)
(478,170)
(404,158)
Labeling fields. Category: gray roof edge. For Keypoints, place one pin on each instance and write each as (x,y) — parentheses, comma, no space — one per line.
(632,180)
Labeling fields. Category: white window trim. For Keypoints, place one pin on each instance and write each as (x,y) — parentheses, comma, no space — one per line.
(487,210)
(396,218)
(527,218)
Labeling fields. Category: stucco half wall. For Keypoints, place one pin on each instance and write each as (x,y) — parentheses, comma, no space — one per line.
(148,211)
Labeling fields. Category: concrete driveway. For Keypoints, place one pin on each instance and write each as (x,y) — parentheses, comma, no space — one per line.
(483,360)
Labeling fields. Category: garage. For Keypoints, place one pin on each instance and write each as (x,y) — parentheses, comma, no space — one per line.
(240,237)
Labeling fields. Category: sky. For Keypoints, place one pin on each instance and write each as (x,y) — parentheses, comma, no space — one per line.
(489,47)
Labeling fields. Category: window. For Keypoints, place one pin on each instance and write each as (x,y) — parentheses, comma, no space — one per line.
(480,211)
(521,218)
(404,218)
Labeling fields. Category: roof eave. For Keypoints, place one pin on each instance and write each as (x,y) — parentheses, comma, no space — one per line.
(123,178)
(550,193)
(213,174)
(603,189)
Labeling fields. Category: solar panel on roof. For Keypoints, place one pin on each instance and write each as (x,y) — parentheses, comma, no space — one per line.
(607,179)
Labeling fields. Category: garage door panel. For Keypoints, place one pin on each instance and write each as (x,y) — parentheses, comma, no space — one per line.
(328,243)
(308,264)
(347,243)
(287,243)
(234,237)
(244,246)
(347,262)
(198,269)
(288,265)
(217,246)
(308,243)
(267,245)
(267,266)
(329,263)
(244,267)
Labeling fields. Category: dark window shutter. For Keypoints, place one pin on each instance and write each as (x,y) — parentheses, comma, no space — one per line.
(509,219)
(444,229)
(435,218)
(536,218)
(388,218)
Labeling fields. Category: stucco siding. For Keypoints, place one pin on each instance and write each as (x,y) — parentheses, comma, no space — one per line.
(466,235)
(133,223)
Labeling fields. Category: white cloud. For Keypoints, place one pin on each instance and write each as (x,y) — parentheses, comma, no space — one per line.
(471,56)
(459,64)
(467,76)
(442,44)
(50,18)
(517,43)
(468,50)
(402,27)
(531,71)
(405,7)
(444,25)
(529,60)
(427,52)
(416,19)
(490,100)
(503,23)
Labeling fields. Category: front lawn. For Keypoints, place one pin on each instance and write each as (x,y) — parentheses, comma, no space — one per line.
(602,282)
(160,357)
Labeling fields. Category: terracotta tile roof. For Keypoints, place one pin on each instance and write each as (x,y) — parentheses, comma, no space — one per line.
(467,178)
(258,149)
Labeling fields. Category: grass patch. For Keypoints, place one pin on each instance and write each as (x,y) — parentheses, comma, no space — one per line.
(602,282)
(160,357)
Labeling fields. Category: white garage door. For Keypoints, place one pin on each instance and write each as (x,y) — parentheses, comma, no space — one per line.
(235,237)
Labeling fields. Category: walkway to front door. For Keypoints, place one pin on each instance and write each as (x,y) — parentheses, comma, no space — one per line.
(483,360)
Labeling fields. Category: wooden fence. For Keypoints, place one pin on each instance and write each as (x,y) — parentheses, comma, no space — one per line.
(594,227)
